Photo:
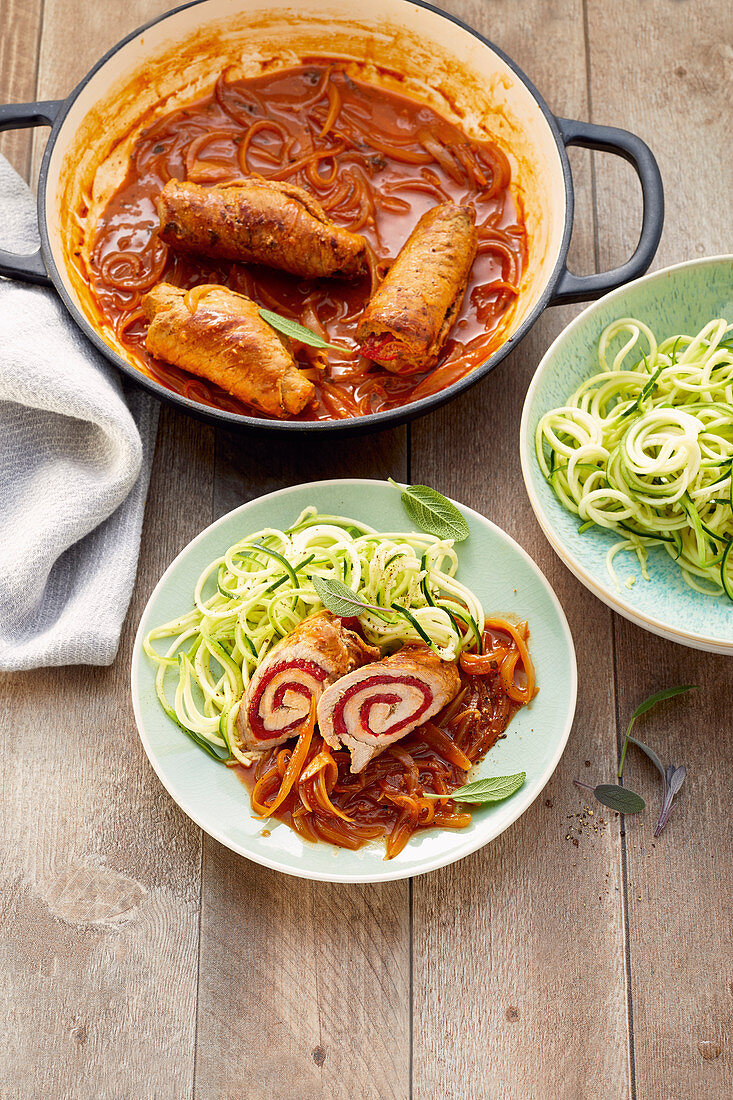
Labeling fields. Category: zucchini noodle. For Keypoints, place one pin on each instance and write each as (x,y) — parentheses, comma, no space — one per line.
(645,448)
(262,587)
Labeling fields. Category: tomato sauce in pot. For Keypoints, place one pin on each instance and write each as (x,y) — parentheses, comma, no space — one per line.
(376,161)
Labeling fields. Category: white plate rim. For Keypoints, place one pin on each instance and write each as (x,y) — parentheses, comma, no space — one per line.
(394,873)
(692,639)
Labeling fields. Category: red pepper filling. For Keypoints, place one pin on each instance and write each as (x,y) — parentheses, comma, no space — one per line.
(339,724)
(385,347)
(255,721)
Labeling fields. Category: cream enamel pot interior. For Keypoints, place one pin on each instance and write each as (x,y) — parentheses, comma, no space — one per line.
(177,58)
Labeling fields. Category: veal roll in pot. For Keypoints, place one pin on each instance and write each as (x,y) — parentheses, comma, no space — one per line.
(408,318)
(211,332)
(407,110)
(258,221)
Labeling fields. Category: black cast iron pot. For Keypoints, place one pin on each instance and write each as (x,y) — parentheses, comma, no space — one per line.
(185,50)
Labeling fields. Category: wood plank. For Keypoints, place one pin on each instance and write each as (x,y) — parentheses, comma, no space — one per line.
(250,464)
(18,71)
(304,987)
(681,107)
(518,950)
(74,37)
(679,887)
(101,871)
(314,1000)
(680,894)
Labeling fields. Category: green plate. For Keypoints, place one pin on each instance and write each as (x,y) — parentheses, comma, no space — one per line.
(508,582)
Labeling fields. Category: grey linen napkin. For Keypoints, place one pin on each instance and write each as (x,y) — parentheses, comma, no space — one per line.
(75,455)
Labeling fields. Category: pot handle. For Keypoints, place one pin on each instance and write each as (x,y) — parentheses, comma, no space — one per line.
(29,268)
(609,139)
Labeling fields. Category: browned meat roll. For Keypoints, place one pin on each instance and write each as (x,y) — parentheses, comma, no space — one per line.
(219,335)
(278,697)
(259,221)
(408,318)
(370,709)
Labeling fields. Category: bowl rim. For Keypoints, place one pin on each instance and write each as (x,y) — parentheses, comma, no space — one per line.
(614,600)
(372,422)
(390,873)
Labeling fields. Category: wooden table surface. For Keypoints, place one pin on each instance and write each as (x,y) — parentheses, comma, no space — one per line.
(574,957)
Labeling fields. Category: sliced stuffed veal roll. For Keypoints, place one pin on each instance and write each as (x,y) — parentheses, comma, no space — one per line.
(300,667)
(374,706)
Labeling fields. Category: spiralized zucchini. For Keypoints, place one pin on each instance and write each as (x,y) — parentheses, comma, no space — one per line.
(245,601)
(645,448)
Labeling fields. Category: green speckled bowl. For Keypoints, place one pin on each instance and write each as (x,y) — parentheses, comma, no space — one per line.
(507,581)
(679,299)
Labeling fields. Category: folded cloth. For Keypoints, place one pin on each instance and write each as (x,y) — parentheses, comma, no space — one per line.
(75,453)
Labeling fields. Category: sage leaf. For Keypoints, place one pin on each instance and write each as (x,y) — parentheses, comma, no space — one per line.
(432,512)
(298,332)
(675,778)
(626,801)
(494,789)
(338,598)
(659,696)
(619,798)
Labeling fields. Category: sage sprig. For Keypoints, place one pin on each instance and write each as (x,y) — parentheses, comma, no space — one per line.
(626,801)
(341,600)
(672,776)
(432,512)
